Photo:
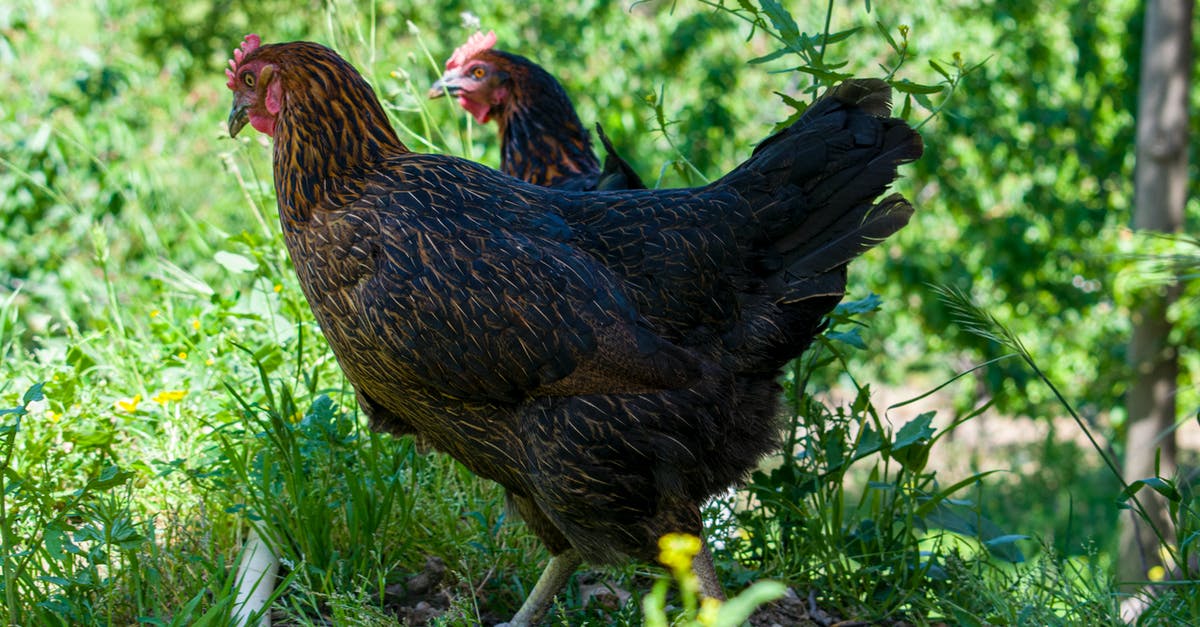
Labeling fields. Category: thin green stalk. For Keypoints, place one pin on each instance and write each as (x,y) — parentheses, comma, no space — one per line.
(952,84)
(755,22)
(981,323)
(30,179)
(125,354)
(256,208)
(660,118)
(6,531)
(825,34)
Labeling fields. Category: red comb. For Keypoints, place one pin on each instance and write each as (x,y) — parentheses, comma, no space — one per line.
(475,44)
(249,44)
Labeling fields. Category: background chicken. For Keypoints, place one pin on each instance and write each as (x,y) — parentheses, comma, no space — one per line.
(610,359)
(542,140)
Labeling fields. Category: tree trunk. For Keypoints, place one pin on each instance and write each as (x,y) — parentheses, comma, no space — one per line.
(1160,192)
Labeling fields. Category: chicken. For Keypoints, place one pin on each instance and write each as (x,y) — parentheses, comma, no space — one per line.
(542,140)
(609,358)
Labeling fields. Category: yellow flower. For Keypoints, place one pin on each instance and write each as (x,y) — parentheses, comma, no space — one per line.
(210,361)
(154,313)
(296,417)
(129,404)
(182,355)
(709,607)
(1156,573)
(196,324)
(53,415)
(676,551)
(166,396)
(278,288)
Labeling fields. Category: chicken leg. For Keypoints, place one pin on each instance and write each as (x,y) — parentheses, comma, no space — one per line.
(553,578)
(706,572)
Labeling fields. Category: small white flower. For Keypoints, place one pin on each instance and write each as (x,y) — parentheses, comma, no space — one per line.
(470,21)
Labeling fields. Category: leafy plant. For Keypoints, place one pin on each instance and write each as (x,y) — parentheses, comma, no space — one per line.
(65,557)
(319,488)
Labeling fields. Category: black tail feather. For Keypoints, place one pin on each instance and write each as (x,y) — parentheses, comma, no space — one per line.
(804,269)
(811,189)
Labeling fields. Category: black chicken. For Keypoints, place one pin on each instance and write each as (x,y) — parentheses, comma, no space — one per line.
(542,140)
(609,358)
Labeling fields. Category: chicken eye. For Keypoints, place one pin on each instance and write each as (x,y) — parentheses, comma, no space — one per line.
(478,72)
(248,79)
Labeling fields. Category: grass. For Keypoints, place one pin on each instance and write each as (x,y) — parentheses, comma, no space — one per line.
(165,387)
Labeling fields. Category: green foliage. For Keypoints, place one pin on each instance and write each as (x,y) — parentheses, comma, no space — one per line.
(1034,166)
(68,556)
(317,486)
(852,510)
(1179,494)
(186,393)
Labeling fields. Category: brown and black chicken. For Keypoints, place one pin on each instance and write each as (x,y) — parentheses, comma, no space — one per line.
(609,358)
(542,140)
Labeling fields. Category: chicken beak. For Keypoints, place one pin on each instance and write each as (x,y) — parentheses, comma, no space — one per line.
(444,85)
(238,117)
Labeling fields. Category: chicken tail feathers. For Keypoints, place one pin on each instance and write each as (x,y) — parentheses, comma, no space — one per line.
(810,206)
(810,190)
(805,271)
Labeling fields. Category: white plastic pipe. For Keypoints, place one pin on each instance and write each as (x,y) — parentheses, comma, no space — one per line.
(256,576)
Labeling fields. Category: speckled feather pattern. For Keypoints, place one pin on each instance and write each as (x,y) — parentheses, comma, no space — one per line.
(610,359)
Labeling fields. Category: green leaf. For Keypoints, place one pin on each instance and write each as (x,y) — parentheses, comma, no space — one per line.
(970,523)
(999,541)
(850,338)
(862,400)
(883,30)
(871,302)
(868,443)
(110,477)
(769,57)
(834,38)
(783,21)
(55,539)
(1158,484)
(798,105)
(654,603)
(737,610)
(828,76)
(234,262)
(914,431)
(911,444)
(937,67)
(34,393)
(79,360)
(908,87)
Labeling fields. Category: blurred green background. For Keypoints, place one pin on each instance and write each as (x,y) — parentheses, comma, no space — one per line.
(142,277)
